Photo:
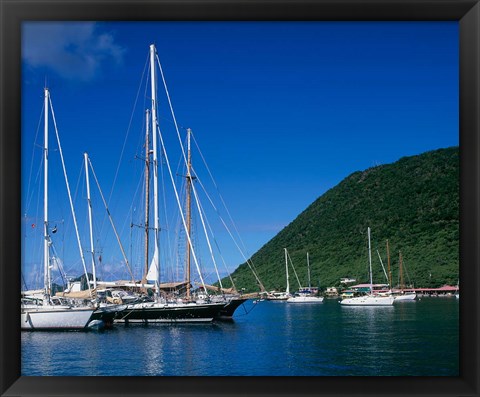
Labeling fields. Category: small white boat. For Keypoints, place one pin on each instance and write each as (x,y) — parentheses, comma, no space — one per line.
(369,300)
(305,298)
(54,317)
(405,296)
(305,295)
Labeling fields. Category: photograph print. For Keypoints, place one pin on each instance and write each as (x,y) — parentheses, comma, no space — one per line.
(194,194)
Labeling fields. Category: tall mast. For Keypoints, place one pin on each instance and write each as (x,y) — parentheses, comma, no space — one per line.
(402,285)
(308,269)
(370,261)
(389,269)
(46,239)
(155,164)
(89,201)
(286,270)
(188,209)
(147,190)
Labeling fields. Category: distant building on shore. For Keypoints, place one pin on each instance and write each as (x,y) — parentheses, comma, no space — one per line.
(331,291)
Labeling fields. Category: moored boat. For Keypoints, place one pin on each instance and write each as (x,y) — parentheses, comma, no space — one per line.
(37,316)
(169,312)
(404,296)
(278,295)
(42,311)
(369,299)
(306,295)
(232,303)
(161,307)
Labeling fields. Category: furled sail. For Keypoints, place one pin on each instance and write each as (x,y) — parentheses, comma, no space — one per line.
(152,274)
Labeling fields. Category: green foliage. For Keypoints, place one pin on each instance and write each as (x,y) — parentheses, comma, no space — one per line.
(414,203)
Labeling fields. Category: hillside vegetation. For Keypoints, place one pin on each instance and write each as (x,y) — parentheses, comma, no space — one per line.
(414,203)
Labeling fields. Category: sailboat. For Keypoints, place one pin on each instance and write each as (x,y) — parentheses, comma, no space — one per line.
(231,298)
(399,295)
(162,309)
(277,295)
(305,295)
(402,295)
(370,299)
(45,312)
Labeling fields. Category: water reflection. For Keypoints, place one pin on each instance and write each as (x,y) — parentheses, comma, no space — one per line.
(275,339)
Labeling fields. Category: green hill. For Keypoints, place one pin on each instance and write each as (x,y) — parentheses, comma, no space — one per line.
(414,203)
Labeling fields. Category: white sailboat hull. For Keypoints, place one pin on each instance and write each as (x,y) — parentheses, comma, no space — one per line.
(368,300)
(55,318)
(305,299)
(405,297)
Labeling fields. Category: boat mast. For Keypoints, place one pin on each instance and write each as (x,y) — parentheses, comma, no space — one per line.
(389,269)
(155,164)
(188,209)
(308,269)
(402,285)
(147,190)
(89,201)
(46,239)
(370,261)
(286,270)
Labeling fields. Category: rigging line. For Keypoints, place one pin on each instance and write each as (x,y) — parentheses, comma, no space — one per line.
(111,221)
(167,224)
(383,267)
(132,210)
(69,194)
(32,160)
(177,129)
(171,108)
(75,194)
(200,211)
(178,132)
(178,241)
(293,267)
(406,272)
(247,261)
(222,200)
(126,137)
(183,154)
(37,244)
(63,275)
(168,164)
(247,311)
(157,129)
(215,184)
(220,253)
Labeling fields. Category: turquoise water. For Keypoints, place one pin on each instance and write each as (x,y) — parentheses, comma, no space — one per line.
(267,339)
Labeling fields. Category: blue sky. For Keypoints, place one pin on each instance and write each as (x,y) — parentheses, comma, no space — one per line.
(282,112)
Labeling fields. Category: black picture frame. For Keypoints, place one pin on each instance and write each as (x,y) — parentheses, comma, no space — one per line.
(13,12)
